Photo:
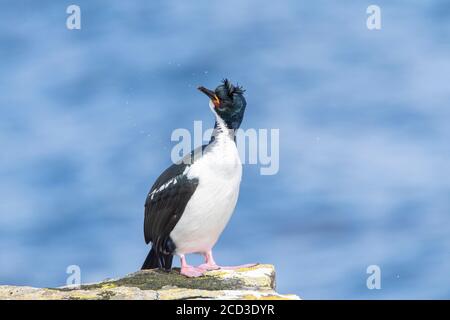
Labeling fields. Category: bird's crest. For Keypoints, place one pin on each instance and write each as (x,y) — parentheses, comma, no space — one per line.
(232,89)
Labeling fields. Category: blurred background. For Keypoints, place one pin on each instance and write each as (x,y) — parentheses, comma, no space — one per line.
(86,118)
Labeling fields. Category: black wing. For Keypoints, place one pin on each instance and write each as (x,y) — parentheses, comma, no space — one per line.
(166,202)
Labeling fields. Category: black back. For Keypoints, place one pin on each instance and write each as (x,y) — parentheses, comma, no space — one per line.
(163,208)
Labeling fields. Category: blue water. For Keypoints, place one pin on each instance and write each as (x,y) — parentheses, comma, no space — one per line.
(86,119)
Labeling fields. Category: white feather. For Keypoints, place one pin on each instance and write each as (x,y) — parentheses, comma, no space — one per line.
(219,172)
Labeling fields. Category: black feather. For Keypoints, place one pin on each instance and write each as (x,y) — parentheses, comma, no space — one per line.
(164,208)
(231,89)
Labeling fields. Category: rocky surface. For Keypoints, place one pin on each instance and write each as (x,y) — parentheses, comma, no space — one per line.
(257,282)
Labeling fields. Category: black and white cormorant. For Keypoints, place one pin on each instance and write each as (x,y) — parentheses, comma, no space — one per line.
(192,201)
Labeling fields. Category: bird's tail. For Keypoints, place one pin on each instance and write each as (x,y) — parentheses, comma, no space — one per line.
(152,260)
(156,260)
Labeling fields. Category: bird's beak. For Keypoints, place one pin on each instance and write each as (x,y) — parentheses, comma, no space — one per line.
(212,95)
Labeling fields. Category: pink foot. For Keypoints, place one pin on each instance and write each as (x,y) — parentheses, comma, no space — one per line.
(210,264)
(208,267)
(191,272)
(248,265)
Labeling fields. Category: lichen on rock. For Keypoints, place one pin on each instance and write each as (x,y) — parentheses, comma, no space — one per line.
(257,282)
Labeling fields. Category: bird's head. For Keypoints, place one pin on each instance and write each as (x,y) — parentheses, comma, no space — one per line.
(227,102)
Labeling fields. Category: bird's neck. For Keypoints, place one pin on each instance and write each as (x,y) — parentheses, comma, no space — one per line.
(221,131)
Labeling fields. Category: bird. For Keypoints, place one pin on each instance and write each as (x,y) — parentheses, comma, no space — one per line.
(192,201)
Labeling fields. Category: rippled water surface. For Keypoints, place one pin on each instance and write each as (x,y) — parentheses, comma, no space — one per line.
(364,179)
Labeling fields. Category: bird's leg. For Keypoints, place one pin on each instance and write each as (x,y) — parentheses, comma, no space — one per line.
(187,270)
(209,264)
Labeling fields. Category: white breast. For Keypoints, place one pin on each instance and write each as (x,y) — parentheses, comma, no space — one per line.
(208,211)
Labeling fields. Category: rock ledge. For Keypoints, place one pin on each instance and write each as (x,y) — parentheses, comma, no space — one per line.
(257,282)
